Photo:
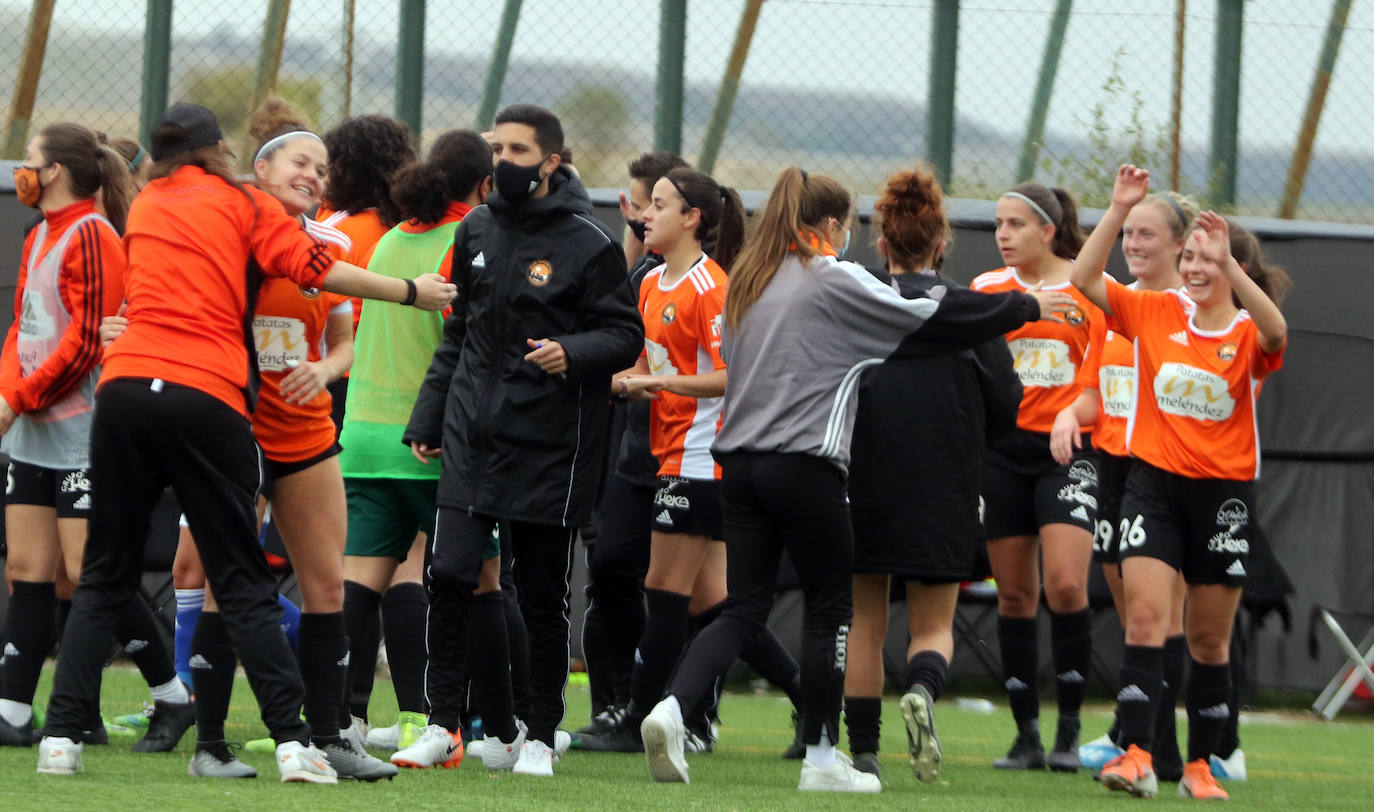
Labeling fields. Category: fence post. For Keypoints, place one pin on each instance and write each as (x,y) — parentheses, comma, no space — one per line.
(26,84)
(729,86)
(1316,102)
(944,57)
(1226,101)
(1044,88)
(410,65)
(672,55)
(350,16)
(1176,101)
(269,52)
(500,60)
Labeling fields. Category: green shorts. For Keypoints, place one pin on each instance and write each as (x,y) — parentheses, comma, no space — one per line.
(385,514)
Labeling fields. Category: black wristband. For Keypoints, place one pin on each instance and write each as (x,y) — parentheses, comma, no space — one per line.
(411,292)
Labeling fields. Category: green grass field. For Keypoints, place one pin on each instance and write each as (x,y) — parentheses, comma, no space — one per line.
(1295,762)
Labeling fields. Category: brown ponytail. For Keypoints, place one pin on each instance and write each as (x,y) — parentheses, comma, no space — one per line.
(722,212)
(1062,210)
(1245,247)
(910,216)
(90,168)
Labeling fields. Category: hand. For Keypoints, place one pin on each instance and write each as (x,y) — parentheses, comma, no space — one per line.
(643,387)
(625,208)
(7,416)
(432,292)
(303,383)
(1213,238)
(1052,302)
(1132,184)
(548,354)
(112,327)
(423,453)
(1066,436)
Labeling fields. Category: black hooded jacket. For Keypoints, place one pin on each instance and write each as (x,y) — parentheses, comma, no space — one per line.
(519,443)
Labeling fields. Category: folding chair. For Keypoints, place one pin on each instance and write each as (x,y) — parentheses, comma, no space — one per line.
(1358,659)
(977,605)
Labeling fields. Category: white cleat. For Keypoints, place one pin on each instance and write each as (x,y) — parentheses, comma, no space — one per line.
(536,758)
(384,738)
(59,756)
(499,755)
(1231,768)
(436,747)
(840,776)
(298,763)
(562,740)
(664,740)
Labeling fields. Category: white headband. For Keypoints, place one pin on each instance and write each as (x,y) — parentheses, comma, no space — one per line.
(272,143)
(1035,207)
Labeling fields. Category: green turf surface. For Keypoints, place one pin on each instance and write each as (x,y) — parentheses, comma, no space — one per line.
(1295,762)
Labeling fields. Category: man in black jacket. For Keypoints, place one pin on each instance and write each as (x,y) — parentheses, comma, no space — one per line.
(516,403)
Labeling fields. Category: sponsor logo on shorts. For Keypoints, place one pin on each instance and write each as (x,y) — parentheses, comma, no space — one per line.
(841,646)
(76,481)
(83,502)
(665,497)
(1083,472)
(1236,570)
(664,518)
(1223,542)
(1233,512)
(1075,493)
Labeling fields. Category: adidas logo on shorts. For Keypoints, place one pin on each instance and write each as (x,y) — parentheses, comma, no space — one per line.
(1132,693)
(199,663)
(1236,569)
(1080,513)
(84,503)
(664,518)
(1181,337)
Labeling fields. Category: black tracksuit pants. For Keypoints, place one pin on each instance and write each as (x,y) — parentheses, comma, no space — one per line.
(145,436)
(770,503)
(616,564)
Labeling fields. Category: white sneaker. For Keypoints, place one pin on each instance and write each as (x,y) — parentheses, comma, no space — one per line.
(499,755)
(436,747)
(474,748)
(840,776)
(562,740)
(299,763)
(664,738)
(1229,769)
(58,755)
(384,738)
(536,758)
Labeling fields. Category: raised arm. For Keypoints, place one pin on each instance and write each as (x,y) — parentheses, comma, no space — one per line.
(1214,242)
(1132,184)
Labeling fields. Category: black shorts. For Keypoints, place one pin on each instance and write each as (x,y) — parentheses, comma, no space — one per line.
(1024,489)
(1111,486)
(690,506)
(68,490)
(1200,527)
(273,470)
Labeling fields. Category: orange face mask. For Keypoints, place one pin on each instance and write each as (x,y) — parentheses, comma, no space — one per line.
(28,189)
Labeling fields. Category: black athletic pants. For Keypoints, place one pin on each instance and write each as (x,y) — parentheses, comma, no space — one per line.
(147,435)
(616,564)
(771,503)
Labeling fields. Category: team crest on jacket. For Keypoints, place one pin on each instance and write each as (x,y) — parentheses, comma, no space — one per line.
(539,272)
(1075,316)
(309,293)
(1226,351)
(670,313)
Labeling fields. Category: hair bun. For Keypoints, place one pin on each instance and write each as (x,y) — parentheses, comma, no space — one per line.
(274,117)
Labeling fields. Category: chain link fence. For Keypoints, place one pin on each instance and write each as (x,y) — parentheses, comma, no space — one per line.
(837,86)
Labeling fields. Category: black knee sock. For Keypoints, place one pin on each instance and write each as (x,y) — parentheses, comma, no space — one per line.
(1016,637)
(771,660)
(665,636)
(519,639)
(403,622)
(142,640)
(863,717)
(928,669)
(1142,671)
(1209,687)
(489,665)
(1071,639)
(28,637)
(362,626)
(64,608)
(1166,728)
(323,656)
(212,675)
(1230,734)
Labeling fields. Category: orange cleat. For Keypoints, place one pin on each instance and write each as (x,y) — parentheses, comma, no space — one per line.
(1199,783)
(1132,771)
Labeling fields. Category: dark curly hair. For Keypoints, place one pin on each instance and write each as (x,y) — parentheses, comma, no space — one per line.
(364,154)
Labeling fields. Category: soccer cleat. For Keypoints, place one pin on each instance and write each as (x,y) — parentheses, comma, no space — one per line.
(698,741)
(922,742)
(355,734)
(536,758)
(409,725)
(137,721)
(1095,754)
(1198,782)
(435,747)
(797,749)
(501,755)
(217,760)
(562,740)
(357,764)
(16,735)
(1231,768)
(664,741)
(58,755)
(1026,753)
(868,763)
(261,746)
(166,726)
(299,763)
(1132,771)
(841,776)
(603,721)
(384,738)
(1064,757)
(622,737)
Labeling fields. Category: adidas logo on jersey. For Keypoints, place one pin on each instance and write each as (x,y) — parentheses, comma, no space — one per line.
(1015,684)
(199,663)
(1079,513)
(664,518)
(1236,569)
(84,503)
(1132,693)
(135,646)
(479,261)
(1181,337)
(10,651)
(343,661)
(1070,676)
(1218,711)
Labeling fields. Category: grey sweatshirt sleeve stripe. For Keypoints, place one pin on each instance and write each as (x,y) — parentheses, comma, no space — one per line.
(832,444)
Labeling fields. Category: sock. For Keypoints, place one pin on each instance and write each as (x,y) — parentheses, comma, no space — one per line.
(519,639)
(771,660)
(1071,639)
(665,635)
(212,671)
(1209,686)
(173,691)
(1016,637)
(28,639)
(489,664)
(1142,671)
(404,609)
(362,624)
(821,754)
(137,630)
(1166,728)
(189,604)
(64,609)
(323,659)
(290,621)
(863,717)
(928,669)
(1230,734)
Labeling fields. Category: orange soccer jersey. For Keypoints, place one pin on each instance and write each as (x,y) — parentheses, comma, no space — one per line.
(682,325)
(363,230)
(1195,415)
(1048,353)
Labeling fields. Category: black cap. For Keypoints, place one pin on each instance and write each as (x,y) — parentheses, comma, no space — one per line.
(199,128)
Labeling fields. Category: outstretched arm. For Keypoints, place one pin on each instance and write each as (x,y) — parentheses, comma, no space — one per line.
(1132,184)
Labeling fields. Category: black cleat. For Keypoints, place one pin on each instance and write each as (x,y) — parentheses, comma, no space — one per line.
(797,749)
(1026,753)
(167,725)
(16,735)
(1064,756)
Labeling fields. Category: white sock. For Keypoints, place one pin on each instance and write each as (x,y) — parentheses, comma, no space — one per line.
(172,691)
(16,713)
(673,706)
(190,598)
(822,754)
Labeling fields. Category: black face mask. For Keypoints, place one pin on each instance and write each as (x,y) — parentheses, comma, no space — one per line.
(516,183)
(636,228)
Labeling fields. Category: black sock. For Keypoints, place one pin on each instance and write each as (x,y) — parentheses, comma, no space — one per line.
(1071,640)
(665,636)
(1209,687)
(1166,728)
(489,665)
(1142,671)
(404,609)
(29,636)
(929,670)
(323,656)
(518,636)
(1016,637)
(1230,734)
(863,717)
(362,626)
(212,675)
(137,631)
